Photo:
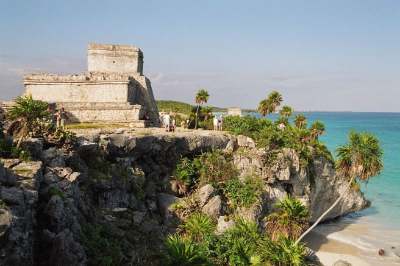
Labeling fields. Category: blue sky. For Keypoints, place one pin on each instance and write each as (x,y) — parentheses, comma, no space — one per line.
(321,55)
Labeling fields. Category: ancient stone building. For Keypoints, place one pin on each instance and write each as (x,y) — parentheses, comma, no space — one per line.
(113,90)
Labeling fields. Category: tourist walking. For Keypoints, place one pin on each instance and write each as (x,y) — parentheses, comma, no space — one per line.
(61,117)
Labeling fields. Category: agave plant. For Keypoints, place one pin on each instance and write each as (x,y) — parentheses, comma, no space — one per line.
(184,252)
(290,220)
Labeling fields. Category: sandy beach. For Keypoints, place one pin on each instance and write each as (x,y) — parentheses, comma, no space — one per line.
(355,242)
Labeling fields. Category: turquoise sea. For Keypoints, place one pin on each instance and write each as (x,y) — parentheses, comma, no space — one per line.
(384,190)
(377,227)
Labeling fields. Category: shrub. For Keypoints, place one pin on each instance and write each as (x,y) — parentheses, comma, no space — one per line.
(282,252)
(243,193)
(102,248)
(290,220)
(215,167)
(184,252)
(247,125)
(238,245)
(199,227)
(186,172)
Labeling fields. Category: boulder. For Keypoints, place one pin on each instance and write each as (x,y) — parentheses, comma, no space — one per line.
(224,224)
(12,195)
(213,208)
(34,146)
(205,193)
(164,202)
(244,141)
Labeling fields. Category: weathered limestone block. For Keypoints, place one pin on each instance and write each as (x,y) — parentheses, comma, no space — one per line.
(214,207)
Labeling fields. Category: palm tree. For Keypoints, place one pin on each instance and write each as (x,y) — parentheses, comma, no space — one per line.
(275,99)
(270,104)
(360,159)
(26,116)
(263,107)
(207,112)
(201,98)
(300,121)
(286,111)
(317,129)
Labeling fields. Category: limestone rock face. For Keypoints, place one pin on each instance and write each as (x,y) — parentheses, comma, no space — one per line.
(317,187)
(122,182)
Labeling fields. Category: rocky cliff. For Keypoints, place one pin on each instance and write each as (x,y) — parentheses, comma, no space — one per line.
(111,195)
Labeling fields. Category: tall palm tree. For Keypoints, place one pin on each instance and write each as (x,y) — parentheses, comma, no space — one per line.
(360,159)
(270,104)
(300,121)
(200,99)
(26,116)
(275,99)
(317,129)
(286,111)
(263,107)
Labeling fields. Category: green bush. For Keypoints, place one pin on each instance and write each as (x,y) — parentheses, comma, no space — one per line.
(186,171)
(282,252)
(290,220)
(243,193)
(101,247)
(184,252)
(247,125)
(199,227)
(238,245)
(215,167)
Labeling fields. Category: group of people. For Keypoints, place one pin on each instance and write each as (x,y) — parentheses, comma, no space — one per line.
(168,122)
(217,122)
(58,117)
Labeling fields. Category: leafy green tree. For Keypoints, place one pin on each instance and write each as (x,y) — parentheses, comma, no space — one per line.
(27,114)
(317,129)
(360,158)
(286,111)
(200,99)
(300,121)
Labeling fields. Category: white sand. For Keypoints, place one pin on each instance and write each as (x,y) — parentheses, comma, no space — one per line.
(329,258)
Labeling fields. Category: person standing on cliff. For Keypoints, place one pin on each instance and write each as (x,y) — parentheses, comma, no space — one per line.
(61,117)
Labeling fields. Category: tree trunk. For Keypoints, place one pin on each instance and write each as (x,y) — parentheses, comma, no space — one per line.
(325,213)
(197,115)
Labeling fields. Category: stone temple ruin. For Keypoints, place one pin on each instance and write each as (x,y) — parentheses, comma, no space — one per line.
(113,90)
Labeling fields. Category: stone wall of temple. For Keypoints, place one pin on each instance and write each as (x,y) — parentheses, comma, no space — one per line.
(114,58)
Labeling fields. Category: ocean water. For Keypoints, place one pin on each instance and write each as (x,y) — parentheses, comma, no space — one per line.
(379,225)
(384,190)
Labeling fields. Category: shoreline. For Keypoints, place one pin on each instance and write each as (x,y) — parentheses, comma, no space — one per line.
(356,241)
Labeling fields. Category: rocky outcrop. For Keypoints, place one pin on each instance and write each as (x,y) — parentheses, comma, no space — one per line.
(317,186)
(120,182)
